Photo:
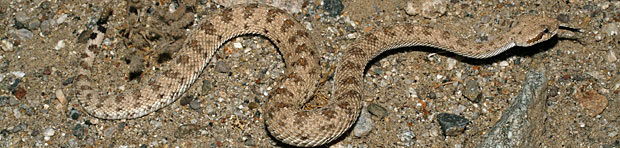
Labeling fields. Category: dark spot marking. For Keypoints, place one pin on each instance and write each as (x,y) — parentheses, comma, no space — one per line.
(287,25)
(284,91)
(445,34)
(163,57)
(119,99)
(302,33)
(357,51)
(209,28)
(304,138)
(293,39)
(301,48)
(249,10)
(84,65)
(93,48)
(344,105)
(227,15)
(183,59)
(301,62)
(352,65)
(134,74)
(329,114)
(93,36)
(389,31)
(351,80)
(371,38)
(171,74)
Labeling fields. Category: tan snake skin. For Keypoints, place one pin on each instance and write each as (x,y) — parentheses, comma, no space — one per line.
(284,117)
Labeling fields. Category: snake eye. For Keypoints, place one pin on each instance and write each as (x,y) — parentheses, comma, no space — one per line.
(546,30)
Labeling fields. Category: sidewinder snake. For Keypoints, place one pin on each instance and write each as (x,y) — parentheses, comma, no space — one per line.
(284,117)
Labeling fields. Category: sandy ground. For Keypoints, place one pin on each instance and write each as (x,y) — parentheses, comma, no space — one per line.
(42,40)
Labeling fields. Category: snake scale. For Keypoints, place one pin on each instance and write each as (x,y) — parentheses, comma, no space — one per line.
(284,117)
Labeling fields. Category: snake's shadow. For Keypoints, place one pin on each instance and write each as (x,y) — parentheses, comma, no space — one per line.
(515,51)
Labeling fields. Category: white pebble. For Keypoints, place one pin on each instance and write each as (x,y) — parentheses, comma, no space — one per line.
(49,132)
(60,45)
(17,113)
(18,74)
(611,56)
(61,18)
(351,36)
(7,46)
(503,63)
(451,63)
(237,45)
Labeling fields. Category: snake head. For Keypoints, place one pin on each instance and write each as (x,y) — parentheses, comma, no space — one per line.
(533,29)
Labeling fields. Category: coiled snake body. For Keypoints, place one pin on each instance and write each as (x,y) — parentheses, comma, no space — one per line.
(284,117)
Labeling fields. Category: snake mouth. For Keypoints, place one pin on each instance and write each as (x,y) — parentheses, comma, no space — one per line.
(540,35)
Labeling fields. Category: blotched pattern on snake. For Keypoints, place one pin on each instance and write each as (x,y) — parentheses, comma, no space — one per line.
(284,117)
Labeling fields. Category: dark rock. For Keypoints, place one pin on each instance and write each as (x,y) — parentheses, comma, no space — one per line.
(73,114)
(563,18)
(452,124)
(186,100)
(334,7)
(78,131)
(35,133)
(68,81)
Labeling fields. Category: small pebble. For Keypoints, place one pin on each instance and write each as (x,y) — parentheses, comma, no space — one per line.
(237,45)
(13,101)
(109,131)
(18,74)
(17,113)
(186,130)
(451,124)
(61,19)
(592,102)
(60,44)
(611,29)
(34,24)
(78,131)
(6,45)
(472,91)
(333,7)
(563,18)
(195,104)
(73,114)
(222,67)
(48,132)
(503,63)
(451,63)
(611,56)
(407,137)
(186,100)
(4,101)
(364,124)
(377,110)
(24,34)
(67,81)
(21,16)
